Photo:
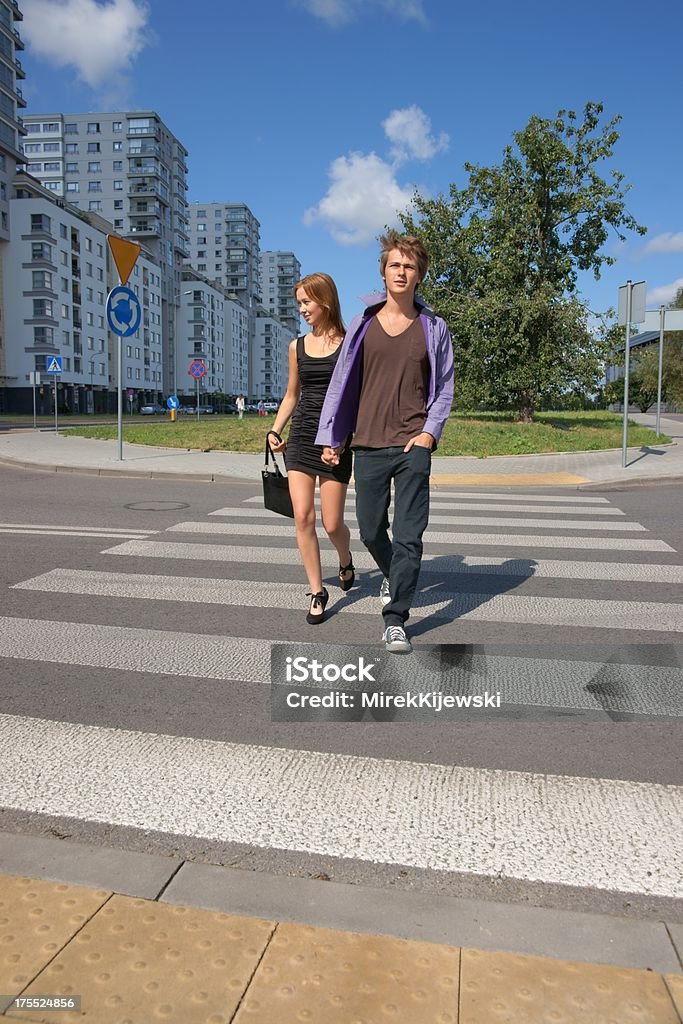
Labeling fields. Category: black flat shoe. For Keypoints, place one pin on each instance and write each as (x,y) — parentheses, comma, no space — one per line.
(347,584)
(319,600)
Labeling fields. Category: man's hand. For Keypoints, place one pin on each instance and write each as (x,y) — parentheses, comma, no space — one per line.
(330,456)
(423,440)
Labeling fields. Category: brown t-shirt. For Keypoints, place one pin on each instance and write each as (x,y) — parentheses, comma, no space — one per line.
(393,396)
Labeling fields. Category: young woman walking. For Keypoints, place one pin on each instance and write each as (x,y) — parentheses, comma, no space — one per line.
(312,359)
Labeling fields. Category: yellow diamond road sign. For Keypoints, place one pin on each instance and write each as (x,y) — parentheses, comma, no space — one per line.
(125,254)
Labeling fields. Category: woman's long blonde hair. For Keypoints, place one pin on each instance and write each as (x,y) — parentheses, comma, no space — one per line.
(322,289)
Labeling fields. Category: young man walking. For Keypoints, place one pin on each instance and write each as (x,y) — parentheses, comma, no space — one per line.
(392,388)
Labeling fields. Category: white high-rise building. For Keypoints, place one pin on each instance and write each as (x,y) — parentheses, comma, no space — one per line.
(269,363)
(279,273)
(58,272)
(11,131)
(128,167)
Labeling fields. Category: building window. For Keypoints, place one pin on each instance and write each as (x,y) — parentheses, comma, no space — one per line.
(73,186)
(93,127)
(71,147)
(51,147)
(40,222)
(41,251)
(71,168)
(94,167)
(71,129)
(43,336)
(93,147)
(118,204)
(42,307)
(117,165)
(50,126)
(66,340)
(118,186)
(117,146)
(52,166)
(95,206)
(31,147)
(117,126)
(88,244)
(41,279)
(32,128)
(94,186)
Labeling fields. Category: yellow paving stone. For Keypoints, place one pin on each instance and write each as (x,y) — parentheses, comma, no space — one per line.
(508,479)
(138,962)
(675,985)
(502,988)
(37,918)
(316,976)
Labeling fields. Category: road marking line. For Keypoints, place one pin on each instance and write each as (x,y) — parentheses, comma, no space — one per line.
(545,828)
(434,601)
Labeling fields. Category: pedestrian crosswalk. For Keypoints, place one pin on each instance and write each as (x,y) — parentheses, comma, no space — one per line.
(568,565)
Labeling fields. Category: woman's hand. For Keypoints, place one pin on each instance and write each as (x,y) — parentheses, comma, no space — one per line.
(277,444)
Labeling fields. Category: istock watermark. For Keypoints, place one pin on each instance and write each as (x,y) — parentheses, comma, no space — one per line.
(460,682)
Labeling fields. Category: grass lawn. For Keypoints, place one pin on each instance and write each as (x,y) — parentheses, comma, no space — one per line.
(478,434)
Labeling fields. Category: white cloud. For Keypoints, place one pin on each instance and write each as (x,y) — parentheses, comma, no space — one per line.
(100,40)
(341,12)
(666,242)
(410,131)
(362,199)
(665,293)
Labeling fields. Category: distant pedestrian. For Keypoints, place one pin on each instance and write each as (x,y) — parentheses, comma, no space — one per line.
(240,403)
(393,387)
(312,359)
(261,409)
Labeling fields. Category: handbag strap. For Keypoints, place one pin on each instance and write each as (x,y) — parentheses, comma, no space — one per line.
(269,451)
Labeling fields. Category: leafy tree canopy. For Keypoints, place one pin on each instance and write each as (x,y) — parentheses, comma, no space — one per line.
(505,252)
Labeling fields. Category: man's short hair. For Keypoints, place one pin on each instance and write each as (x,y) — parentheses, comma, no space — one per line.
(407,245)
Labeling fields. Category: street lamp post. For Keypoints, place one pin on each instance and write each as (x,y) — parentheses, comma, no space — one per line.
(92,395)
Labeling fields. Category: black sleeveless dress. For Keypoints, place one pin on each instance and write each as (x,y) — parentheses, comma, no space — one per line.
(302,453)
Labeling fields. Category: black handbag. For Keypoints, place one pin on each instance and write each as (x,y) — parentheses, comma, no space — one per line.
(276,496)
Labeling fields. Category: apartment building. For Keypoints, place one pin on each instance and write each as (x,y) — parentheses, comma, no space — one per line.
(11,132)
(269,363)
(279,273)
(224,246)
(201,335)
(58,271)
(128,167)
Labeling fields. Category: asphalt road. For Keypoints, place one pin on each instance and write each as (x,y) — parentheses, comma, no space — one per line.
(133,694)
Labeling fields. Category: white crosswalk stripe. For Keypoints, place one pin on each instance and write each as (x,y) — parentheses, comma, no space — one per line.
(440,603)
(450,537)
(545,828)
(379,811)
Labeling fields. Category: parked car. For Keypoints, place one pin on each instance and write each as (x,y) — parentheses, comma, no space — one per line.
(203,409)
(152,410)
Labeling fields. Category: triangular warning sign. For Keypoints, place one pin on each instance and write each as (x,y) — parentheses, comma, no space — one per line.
(53,365)
(125,254)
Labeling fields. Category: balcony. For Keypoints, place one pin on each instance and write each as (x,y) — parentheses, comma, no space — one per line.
(18,41)
(144,149)
(144,188)
(21,102)
(150,227)
(151,129)
(18,68)
(140,167)
(150,209)
(16,11)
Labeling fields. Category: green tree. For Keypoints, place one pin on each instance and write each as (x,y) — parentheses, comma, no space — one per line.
(505,252)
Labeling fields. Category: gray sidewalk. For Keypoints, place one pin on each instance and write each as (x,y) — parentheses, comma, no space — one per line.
(41,449)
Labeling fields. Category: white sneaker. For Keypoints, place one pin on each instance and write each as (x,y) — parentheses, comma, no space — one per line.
(385,592)
(396,641)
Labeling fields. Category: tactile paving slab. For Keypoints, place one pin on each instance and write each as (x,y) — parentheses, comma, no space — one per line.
(502,987)
(674,983)
(37,918)
(317,976)
(138,961)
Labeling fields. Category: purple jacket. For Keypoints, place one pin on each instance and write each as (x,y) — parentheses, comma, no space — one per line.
(338,416)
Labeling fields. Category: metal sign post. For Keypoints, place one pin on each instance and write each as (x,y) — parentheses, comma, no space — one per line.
(35,379)
(659,370)
(631,309)
(54,367)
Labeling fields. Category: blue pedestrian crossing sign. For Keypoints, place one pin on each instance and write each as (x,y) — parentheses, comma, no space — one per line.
(54,364)
(173,402)
(123,311)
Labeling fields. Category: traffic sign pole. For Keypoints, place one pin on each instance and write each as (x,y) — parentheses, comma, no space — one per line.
(659,369)
(627,360)
(56,423)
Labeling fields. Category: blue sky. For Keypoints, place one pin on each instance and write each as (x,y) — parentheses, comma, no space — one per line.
(323,115)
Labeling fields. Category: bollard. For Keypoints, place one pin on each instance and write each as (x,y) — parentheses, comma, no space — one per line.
(173,415)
